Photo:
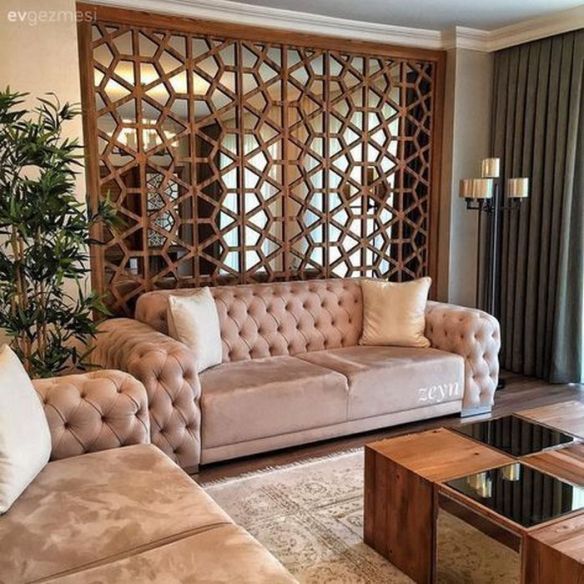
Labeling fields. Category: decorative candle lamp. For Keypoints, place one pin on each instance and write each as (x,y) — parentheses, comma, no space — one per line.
(476,191)
(487,187)
(482,188)
(465,189)
(518,188)
(491,168)
(486,194)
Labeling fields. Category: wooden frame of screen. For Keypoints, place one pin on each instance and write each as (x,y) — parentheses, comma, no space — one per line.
(178,24)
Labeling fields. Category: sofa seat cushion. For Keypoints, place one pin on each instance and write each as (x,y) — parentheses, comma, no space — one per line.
(223,555)
(246,400)
(384,380)
(91,509)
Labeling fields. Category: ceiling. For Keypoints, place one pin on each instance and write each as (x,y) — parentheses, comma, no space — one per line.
(431,14)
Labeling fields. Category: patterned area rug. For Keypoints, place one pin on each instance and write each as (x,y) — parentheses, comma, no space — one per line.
(310,516)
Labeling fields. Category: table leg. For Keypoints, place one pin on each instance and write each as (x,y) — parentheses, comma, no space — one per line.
(542,564)
(400,518)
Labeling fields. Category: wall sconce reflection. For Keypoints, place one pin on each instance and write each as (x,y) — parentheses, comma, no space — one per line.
(481,484)
(511,472)
(151,137)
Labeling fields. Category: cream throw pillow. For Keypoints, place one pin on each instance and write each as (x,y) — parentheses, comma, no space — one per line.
(25,439)
(193,320)
(394,313)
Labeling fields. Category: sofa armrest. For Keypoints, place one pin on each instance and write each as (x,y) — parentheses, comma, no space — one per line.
(94,411)
(168,371)
(476,336)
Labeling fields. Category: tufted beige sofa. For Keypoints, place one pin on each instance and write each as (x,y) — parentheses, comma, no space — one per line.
(122,511)
(293,371)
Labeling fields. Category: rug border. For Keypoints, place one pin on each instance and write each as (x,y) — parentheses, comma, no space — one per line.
(277,468)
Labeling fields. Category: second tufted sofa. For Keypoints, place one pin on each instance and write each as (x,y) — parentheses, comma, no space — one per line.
(293,371)
(94,411)
(110,508)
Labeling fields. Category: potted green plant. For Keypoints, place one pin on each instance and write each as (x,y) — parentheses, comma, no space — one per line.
(45,309)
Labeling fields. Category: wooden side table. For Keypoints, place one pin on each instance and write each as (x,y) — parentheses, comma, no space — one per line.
(406,483)
(400,496)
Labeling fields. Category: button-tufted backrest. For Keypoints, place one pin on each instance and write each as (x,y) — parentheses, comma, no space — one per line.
(282,318)
(94,411)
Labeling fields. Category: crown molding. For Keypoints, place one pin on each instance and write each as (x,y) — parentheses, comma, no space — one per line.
(228,11)
(458,37)
(462,37)
(536,28)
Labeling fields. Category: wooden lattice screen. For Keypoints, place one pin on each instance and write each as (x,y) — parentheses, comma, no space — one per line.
(238,160)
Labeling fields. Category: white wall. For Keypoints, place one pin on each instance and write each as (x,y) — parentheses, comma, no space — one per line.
(38,56)
(466,143)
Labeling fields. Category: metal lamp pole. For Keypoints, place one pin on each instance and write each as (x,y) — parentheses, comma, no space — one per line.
(485,195)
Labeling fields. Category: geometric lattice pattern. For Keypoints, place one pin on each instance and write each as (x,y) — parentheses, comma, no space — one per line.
(239,161)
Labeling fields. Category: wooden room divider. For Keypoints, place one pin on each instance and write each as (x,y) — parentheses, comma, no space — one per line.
(239,154)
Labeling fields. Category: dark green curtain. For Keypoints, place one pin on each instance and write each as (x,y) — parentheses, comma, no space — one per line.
(538,129)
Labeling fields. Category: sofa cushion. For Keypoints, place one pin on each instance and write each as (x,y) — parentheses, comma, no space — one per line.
(394,312)
(223,555)
(246,400)
(193,320)
(392,379)
(94,508)
(25,439)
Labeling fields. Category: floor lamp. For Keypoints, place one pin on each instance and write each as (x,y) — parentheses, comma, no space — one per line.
(486,195)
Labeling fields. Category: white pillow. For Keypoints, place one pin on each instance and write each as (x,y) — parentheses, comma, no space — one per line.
(395,313)
(194,321)
(25,439)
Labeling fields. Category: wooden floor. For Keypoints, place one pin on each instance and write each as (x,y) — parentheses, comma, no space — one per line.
(520,393)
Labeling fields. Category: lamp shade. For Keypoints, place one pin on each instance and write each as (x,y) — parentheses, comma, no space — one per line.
(511,472)
(518,188)
(491,168)
(481,483)
(476,188)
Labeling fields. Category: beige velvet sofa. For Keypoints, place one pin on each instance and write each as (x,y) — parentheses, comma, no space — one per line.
(293,371)
(110,508)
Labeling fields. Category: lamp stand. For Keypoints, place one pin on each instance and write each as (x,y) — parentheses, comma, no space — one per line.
(489,285)
(485,195)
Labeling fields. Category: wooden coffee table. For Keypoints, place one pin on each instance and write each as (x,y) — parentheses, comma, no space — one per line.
(409,478)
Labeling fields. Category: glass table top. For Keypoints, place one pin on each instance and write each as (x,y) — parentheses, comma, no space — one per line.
(520,493)
(514,435)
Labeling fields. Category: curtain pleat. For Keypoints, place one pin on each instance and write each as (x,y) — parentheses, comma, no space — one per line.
(537,133)
(535,205)
(568,324)
(532,216)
